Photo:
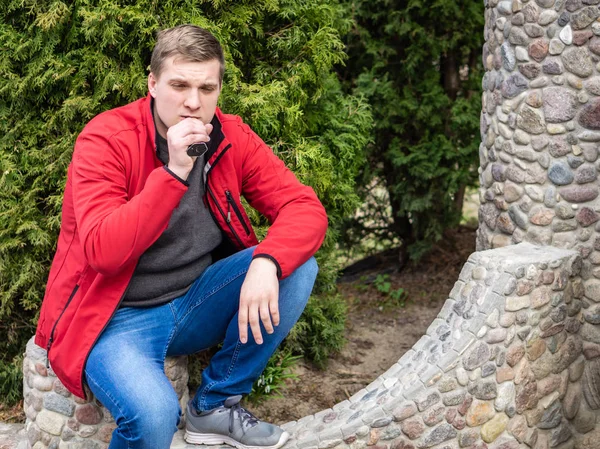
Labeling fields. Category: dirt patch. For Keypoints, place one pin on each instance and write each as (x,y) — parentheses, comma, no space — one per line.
(378,330)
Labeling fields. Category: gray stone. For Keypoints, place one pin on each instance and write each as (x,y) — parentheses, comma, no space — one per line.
(592,314)
(518,217)
(517,36)
(585,419)
(508,57)
(583,18)
(531,120)
(484,390)
(573,161)
(441,433)
(564,18)
(551,417)
(552,66)
(560,174)
(547,17)
(477,356)
(572,400)
(577,60)
(560,434)
(590,115)
(539,143)
(586,174)
(559,104)
(591,382)
(514,85)
(59,404)
(579,194)
(594,45)
(426,401)
(550,197)
(559,147)
(533,30)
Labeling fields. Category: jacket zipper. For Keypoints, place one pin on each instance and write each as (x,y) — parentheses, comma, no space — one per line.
(208,189)
(51,339)
(237,211)
(214,199)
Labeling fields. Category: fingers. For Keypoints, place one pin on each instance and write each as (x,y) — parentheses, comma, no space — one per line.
(243,324)
(252,314)
(255,325)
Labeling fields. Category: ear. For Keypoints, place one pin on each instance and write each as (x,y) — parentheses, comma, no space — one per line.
(152,84)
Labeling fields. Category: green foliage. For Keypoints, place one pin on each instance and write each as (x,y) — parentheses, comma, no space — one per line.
(418,64)
(61,63)
(272,381)
(391,296)
(320,330)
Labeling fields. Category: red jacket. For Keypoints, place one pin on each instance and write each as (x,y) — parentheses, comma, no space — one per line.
(118,200)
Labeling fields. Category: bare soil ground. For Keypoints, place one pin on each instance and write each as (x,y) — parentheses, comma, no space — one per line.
(378,330)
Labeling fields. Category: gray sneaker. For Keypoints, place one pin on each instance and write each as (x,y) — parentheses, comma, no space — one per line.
(234,425)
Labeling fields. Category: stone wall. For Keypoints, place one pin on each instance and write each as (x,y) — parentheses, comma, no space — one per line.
(510,362)
(503,366)
(540,127)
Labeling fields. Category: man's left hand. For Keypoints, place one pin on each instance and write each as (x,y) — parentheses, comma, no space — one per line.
(259,300)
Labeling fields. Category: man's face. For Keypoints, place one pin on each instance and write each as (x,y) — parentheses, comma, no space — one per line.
(184,89)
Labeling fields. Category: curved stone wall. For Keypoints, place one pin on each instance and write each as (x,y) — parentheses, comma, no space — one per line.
(503,366)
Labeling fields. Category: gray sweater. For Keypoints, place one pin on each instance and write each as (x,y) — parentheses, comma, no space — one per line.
(180,255)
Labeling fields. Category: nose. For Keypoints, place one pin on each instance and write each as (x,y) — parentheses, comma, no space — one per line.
(192,100)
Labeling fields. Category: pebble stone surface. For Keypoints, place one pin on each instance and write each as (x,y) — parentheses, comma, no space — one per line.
(513,358)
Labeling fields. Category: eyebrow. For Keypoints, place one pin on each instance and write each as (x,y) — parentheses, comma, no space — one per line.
(184,81)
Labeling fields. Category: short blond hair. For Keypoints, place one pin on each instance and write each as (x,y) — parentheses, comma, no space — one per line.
(190,42)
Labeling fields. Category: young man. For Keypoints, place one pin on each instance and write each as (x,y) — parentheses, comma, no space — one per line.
(156,256)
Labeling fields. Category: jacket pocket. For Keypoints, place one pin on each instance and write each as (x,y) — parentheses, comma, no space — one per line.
(51,338)
(231,204)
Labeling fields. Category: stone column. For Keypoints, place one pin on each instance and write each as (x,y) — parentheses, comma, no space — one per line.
(540,132)
(540,127)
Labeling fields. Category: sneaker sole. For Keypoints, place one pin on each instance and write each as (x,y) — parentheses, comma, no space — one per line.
(213,438)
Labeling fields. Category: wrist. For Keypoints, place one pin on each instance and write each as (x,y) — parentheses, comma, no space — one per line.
(180,172)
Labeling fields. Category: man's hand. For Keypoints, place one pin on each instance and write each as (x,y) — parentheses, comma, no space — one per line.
(179,138)
(259,300)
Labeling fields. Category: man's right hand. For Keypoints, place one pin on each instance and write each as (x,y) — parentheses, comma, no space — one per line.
(179,138)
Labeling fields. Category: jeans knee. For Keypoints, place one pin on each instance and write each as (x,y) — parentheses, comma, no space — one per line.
(309,269)
(152,423)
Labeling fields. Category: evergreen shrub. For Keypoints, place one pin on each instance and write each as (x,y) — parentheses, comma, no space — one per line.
(62,63)
(419,65)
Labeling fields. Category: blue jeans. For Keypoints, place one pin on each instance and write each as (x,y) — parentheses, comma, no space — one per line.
(125,369)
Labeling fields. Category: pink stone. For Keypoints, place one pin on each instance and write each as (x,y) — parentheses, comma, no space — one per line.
(581,37)
(88,414)
(413,428)
(503,374)
(514,354)
(450,415)
(538,49)
(41,369)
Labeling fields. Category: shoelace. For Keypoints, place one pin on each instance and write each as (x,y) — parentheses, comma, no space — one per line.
(243,415)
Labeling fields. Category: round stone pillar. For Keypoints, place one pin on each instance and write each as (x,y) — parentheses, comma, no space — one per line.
(540,132)
(540,127)
(57,419)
